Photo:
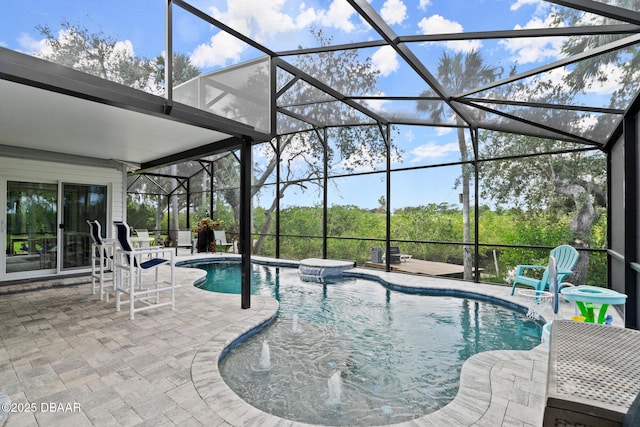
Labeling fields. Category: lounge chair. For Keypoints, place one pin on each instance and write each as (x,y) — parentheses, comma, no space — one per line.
(129,278)
(142,238)
(185,239)
(220,237)
(566,258)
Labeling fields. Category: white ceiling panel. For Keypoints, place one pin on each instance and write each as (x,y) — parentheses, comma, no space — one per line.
(39,119)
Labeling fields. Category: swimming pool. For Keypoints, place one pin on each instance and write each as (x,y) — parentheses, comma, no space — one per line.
(352,352)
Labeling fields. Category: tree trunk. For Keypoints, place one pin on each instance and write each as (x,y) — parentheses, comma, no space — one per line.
(265,229)
(580,225)
(466,211)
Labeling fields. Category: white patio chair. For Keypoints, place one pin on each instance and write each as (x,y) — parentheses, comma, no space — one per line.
(185,239)
(142,239)
(102,251)
(145,289)
(220,237)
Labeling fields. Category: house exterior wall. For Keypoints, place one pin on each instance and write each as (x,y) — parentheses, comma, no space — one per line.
(624,215)
(30,170)
(633,283)
(616,216)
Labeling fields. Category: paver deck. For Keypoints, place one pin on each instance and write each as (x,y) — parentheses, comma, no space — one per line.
(68,359)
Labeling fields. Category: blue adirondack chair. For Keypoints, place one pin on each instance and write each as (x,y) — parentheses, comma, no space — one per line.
(566,258)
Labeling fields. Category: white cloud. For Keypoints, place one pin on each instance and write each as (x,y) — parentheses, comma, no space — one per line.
(436,24)
(218,52)
(587,122)
(263,17)
(535,49)
(385,60)
(338,16)
(42,47)
(424,4)
(33,46)
(124,47)
(393,11)
(464,45)
(409,135)
(440,131)
(614,77)
(431,150)
(519,3)
(262,20)
(306,17)
(376,104)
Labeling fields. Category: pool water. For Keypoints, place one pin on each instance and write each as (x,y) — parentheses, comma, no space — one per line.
(393,356)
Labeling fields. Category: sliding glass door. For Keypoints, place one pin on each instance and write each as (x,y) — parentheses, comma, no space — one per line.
(47,228)
(80,203)
(32,224)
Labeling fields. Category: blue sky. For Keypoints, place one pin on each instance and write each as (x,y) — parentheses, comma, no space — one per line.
(285,25)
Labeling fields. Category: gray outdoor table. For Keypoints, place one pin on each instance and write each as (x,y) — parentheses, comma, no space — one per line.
(593,376)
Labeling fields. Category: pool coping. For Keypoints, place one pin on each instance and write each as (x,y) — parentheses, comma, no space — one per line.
(470,406)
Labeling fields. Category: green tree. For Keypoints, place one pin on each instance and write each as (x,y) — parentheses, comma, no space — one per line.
(104,56)
(353,147)
(571,183)
(599,68)
(457,74)
(96,53)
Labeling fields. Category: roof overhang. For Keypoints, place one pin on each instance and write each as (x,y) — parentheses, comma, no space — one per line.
(57,110)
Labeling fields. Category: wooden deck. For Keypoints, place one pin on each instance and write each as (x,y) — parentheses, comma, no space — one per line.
(417,266)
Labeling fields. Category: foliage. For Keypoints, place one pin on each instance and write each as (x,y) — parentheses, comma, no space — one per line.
(354,231)
(622,64)
(206,224)
(226,215)
(568,184)
(347,147)
(104,56)
(140,215)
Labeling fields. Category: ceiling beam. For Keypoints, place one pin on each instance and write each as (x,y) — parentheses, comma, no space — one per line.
(228,144)
(600,8)
(589,30)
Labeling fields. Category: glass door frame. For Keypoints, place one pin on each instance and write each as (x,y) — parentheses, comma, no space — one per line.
(85,238)
(4,231)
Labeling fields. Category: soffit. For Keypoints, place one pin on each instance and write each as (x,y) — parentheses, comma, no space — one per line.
(39,119)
